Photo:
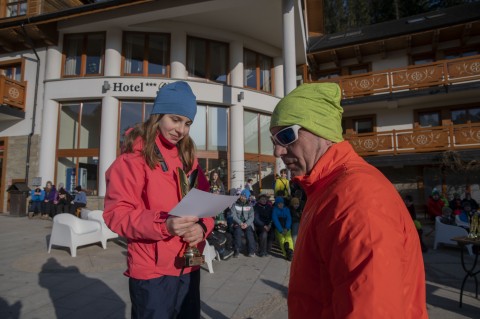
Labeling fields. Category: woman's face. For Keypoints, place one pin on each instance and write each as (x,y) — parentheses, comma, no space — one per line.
(215,176)
(174,127)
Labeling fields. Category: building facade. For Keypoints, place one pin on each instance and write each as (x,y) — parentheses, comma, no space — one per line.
(411,97)
(76,74)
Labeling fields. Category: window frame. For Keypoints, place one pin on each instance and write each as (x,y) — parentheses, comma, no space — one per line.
(12,63)
(146,54)
(207,60)
(17,3)
(258,71)
(83,59)
(348,127)
(76,152)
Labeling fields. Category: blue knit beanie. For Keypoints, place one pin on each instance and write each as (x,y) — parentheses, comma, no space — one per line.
(278,200)
(176,98)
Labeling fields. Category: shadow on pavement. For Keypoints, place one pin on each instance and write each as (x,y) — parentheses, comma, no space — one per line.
(277,286)
(212,313)
(10,311)
(75,295)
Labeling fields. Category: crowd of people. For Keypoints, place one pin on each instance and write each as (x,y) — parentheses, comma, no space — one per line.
(257,220)
(50,201)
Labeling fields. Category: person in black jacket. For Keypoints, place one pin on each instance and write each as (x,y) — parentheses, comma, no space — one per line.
(263,225)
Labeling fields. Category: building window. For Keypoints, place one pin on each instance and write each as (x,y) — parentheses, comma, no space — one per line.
(358,125)
(358,69)
(258,71)
(12,71)
(15,8)
(132,113)
(83,54)
(209,131)
(207,59)
(329,74)
(422,58)
(429,119)
(78,145)
(464,116)
(146,54)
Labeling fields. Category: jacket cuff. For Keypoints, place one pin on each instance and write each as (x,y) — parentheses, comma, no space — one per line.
(161,222)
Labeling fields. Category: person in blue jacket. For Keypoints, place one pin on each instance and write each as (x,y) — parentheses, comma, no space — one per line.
(37,197)
(282,219)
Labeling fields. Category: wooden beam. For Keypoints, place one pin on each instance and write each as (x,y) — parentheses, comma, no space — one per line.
(6,45)
(408,44)
(383,50)
(334,56)
(467,28)
(358,53)
(435,36)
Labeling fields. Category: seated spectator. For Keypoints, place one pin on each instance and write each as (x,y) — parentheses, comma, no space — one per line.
(468,198)
(63,200)
(218,238)
(447,216)
(80,200)
(463,219)
(408,200)
(435,204)
(282,220)
(37,196)
(48,206)
(296,212)
(252,200)
(456,203)
(243,215)
(263,225)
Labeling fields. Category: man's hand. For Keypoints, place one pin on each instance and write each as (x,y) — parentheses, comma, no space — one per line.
(243,225)
(267,228)
(285,231)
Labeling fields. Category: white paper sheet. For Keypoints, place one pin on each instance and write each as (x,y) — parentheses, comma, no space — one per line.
(202,204)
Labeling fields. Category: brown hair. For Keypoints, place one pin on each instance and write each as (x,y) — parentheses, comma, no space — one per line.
(148,131)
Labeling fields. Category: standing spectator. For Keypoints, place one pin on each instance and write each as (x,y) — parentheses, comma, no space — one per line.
(408,200)
(282,220)
(48,205)
(357,253)
(216,185)
(249,185)
(37,196)
(79,201)
(282,185)
(142,188)
(63,200)
(468,198)
(296,212)
(263,225)
(243,215)
(435,204)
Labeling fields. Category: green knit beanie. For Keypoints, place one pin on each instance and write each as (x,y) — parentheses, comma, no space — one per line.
(313,106)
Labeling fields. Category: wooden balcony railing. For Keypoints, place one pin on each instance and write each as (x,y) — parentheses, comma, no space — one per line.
(12,92)
(431,139)
(445,72)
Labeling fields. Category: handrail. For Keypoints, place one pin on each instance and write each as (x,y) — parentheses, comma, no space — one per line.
(12,92)
(417,140)
(440,73)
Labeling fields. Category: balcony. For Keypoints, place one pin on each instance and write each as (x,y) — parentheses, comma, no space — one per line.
(12,93)
(441,73)
(418,140)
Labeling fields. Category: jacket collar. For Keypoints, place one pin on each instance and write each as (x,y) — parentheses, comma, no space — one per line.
(333,159)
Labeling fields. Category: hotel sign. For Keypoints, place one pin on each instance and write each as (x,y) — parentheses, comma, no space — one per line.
(128,87)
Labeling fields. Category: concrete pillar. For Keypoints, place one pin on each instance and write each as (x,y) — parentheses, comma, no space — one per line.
(237,153)
(278,77)
(290,67)
(178,60)
(48,135)
(113,53)
(108,140)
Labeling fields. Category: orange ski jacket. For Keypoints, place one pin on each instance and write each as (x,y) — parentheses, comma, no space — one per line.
(357,253)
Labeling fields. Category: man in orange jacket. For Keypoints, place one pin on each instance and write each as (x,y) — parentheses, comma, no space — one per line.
(357,253)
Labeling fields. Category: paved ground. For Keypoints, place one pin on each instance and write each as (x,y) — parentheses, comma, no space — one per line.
(35,284)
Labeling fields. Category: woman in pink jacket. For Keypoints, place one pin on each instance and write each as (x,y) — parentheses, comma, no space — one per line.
(142,187)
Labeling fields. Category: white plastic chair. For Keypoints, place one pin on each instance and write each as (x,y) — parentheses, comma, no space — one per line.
(84,213)
(210,254)
(71,231)
(97,215)
(444,234)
